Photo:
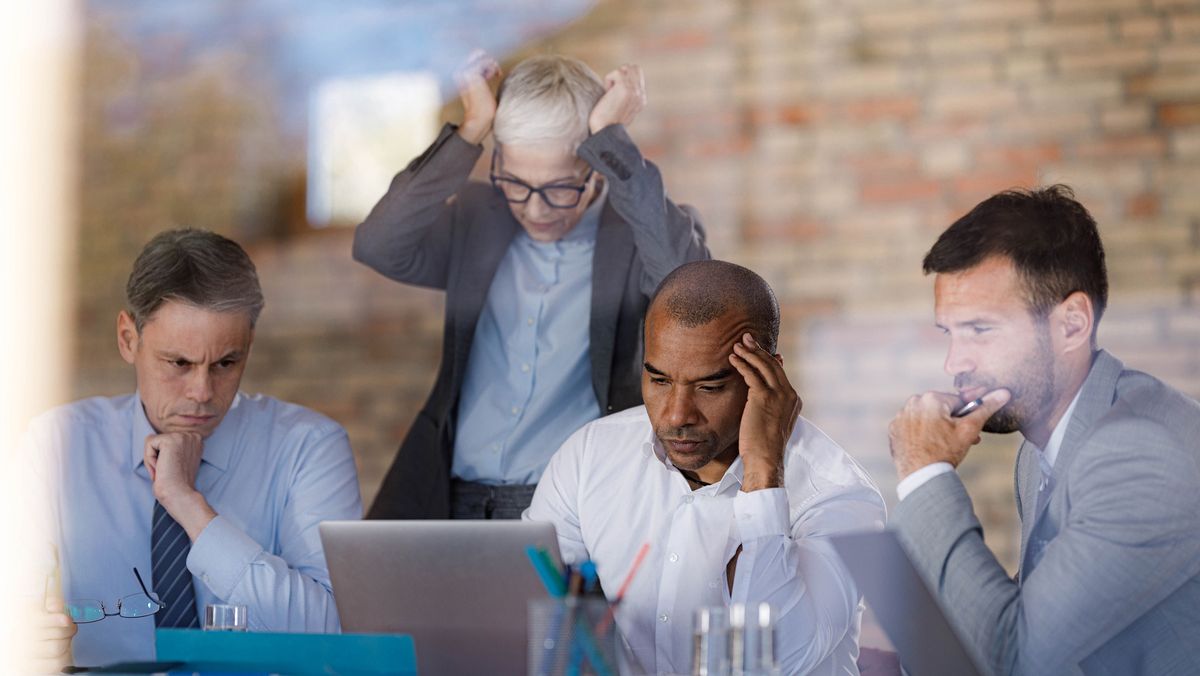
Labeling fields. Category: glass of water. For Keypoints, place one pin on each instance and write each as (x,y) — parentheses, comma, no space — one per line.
(738,640)
(710,642)
(224,617)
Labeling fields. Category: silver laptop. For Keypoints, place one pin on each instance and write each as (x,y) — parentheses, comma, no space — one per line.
(903,605)
(459,588)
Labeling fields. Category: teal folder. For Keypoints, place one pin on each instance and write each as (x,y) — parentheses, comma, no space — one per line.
(300,654)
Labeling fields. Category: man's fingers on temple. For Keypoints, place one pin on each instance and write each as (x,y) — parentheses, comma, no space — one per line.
(761,363)
(753,378)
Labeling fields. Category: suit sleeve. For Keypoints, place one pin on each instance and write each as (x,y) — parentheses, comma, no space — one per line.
(1130,539)
(406,237)
(666,234)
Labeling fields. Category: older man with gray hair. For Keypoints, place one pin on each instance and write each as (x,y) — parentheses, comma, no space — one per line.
(187,492)
(547,273)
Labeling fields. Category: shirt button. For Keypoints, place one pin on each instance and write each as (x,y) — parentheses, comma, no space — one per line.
(673,557)
(515,410)
(529,322)
(688,499)
(712,585)
(524,368)
(204,577)
(664,617)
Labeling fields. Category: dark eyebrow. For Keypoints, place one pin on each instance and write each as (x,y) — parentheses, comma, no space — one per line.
(719,375)
(234,355)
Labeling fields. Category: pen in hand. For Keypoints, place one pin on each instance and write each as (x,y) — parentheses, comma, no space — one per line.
(966,408)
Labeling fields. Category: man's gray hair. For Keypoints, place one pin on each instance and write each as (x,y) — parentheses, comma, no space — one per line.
(547,99)
(196,267)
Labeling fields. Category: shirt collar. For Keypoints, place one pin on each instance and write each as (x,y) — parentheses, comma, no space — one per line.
(585,230)
(733,476)
(217,448)
(1047,457)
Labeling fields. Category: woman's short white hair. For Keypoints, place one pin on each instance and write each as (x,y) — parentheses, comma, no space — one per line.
(547,99)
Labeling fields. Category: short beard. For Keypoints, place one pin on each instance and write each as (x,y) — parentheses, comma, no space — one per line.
(675,433)
(1003,421)
(1031,387)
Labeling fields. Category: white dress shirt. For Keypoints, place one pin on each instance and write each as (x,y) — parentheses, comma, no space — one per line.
(611,488)
(1046,457)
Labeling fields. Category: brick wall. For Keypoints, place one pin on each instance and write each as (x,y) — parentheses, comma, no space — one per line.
(826,143)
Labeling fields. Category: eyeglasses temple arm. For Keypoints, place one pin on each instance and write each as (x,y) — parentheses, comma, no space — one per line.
(143,585)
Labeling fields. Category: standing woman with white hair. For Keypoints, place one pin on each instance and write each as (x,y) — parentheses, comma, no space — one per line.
(547,273)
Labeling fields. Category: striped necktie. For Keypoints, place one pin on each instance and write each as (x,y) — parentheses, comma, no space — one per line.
(1037,544)
(169,547)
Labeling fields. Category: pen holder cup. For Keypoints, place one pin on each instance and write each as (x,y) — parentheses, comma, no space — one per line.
(572,635)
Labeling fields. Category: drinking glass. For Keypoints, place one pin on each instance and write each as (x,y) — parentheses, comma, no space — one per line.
(710,641)
(224,617)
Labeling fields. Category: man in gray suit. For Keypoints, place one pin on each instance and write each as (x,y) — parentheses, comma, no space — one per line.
(1108,476)
(547,273)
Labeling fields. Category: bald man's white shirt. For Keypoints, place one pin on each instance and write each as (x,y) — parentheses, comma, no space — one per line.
(611,488)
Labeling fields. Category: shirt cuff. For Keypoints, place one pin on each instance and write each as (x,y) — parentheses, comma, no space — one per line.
(920,477)
(761,513)
(221,556)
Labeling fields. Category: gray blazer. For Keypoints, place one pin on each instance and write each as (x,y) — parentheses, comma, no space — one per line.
(437,229)
(1109,580)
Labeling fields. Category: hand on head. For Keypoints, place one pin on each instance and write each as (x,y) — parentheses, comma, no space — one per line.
(625,98)
(924,432)
(772,406)
(475,89)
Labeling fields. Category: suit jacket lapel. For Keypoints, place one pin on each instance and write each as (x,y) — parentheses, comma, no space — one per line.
(487,241)
(1028,473)
(1095,398)
(611,261)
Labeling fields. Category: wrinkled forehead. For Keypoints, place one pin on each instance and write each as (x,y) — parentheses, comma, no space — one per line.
(676,348)
(540,163)
(186,328)
(991,289)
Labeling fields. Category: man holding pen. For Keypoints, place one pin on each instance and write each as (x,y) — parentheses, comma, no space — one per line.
(1108,476)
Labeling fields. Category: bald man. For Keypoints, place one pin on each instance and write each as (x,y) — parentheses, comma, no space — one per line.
(736,492)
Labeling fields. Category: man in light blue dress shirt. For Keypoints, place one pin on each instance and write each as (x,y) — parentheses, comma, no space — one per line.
(240,480)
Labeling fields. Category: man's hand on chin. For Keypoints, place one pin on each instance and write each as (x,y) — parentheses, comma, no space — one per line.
(924,432)
(173,460)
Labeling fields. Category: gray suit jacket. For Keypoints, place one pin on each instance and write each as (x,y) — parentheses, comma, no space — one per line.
(1116,588)
(435,228)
